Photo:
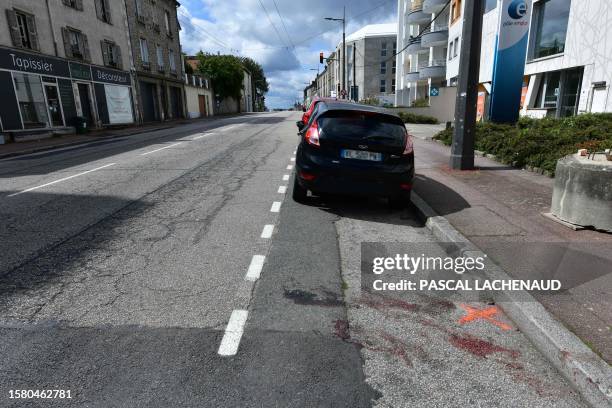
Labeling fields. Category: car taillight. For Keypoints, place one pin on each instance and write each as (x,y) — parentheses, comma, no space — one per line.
(312,135)
(409,148)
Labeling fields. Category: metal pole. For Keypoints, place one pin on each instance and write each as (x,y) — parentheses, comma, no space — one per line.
(462,151)
(355,96)
(344,49)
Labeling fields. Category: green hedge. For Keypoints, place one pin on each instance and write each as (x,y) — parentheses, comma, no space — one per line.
(541,142)
(408,117)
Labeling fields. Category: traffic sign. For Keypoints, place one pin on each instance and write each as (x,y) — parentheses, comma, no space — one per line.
(434,91)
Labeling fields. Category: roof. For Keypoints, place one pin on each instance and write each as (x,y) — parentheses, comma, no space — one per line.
(350,106)
(374,30)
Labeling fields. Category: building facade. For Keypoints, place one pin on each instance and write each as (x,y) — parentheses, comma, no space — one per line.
(63,59)
(370,66)
(568,68)
(423,32)
(156,54)
(198,96)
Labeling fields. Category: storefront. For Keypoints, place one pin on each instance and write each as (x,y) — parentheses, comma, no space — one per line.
(161,98)
(48,92)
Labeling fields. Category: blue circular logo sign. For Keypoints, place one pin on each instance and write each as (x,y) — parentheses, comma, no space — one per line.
(517,9)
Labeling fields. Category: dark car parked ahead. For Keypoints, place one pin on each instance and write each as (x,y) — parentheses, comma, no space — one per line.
(348,148)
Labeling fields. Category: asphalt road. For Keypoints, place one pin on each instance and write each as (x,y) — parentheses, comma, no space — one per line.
(172,269)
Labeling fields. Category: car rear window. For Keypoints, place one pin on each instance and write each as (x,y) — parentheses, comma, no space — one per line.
(361,125)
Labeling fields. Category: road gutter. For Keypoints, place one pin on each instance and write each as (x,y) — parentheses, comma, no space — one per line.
(590,375)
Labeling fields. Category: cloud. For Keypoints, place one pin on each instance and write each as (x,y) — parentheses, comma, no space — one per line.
(287,47)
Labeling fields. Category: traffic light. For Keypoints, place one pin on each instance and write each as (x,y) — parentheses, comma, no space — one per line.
(321,58)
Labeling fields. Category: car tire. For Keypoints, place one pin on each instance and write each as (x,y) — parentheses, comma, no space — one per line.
(399,201)
(299,193)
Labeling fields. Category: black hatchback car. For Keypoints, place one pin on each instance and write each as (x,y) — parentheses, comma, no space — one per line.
(347,148)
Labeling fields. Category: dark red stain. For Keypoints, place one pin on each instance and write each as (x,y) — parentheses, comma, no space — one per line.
(325,299)
(479,347)
(341,329)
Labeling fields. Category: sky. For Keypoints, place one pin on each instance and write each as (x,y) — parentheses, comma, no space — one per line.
(284,36)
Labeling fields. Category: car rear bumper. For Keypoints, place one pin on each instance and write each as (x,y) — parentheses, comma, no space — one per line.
(336,178)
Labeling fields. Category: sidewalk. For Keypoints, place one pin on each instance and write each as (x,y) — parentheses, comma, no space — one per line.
(500,210)
(20,148)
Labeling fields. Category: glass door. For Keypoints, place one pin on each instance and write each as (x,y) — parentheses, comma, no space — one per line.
(53,105)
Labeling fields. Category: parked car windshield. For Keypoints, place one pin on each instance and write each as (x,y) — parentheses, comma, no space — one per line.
(363,125)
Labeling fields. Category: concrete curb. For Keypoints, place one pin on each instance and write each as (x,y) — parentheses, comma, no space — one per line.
(588,373)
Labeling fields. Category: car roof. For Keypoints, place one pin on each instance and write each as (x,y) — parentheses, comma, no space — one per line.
(351,106)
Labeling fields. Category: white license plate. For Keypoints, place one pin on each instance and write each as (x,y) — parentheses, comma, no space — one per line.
(361,155)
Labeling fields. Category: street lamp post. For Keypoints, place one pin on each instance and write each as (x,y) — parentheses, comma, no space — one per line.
(343,19)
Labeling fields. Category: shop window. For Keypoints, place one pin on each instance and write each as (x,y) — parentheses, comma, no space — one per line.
(160,58)
(456,9)
(75,4)
(111,53)
(23,29)
(103,11)
(559,92)
(550,21)
(75,44)
(144,52)
(172,61)
(31,100)
(383,86)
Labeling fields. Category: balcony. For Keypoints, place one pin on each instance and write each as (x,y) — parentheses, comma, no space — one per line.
(435,38)
(414,46)
(412,76)
(415,14)
(437,69)
(433,6)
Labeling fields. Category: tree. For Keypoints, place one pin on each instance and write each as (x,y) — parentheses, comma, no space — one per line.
(260,83)
(225,71)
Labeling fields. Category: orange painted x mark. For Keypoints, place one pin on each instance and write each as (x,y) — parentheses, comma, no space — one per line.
(487,314)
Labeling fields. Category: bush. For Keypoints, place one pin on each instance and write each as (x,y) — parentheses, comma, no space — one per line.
(409,117)
(541,142)
(420,103)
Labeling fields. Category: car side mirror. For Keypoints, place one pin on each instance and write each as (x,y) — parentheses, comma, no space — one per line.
(300,125)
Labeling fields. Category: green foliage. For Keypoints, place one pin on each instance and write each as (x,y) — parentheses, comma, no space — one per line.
(225,72)
(409,117)
(370,101)
(420,103)
(541,142)
(257,74)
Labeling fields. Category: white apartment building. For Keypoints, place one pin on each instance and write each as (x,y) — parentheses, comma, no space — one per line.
(423,35)
(569,56)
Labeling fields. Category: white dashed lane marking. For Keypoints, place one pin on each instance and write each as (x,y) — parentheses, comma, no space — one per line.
(255,268)
(282,189)
(267,231)
(275,207)
(233,333)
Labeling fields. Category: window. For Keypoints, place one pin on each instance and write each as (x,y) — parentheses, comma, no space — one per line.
(75,44)
(172,61)
(383,86)
(456,9)
(140,11)
(490,5)
(160,58)
(31,100)
(23,29)
(75,4)
(383,68)
(456,47)
(451,50)
(383,49)
(393,86)
(559,92)
(393,69)
(144,52)
(394,47)
(551,19)
(167,22)
(111,53)
(103,11)
(154,19)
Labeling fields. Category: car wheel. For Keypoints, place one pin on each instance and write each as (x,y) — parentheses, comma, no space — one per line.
(299,193)
(399,201)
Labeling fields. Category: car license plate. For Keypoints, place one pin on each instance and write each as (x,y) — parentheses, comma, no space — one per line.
(361,155)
